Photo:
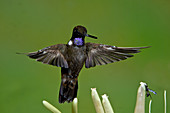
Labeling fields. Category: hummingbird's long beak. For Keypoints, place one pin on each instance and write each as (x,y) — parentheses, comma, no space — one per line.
(91,36)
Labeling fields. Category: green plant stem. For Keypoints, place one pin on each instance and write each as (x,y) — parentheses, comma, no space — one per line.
(106,104)
(150,106)
(96,101)
(50,107)
(140,102)
(165,100)
(74,105)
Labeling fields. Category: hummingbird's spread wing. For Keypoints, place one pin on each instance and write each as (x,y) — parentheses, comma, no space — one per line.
(99,54)
(52,55)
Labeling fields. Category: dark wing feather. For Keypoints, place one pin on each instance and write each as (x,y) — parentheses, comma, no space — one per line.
(99,54)
(52,55)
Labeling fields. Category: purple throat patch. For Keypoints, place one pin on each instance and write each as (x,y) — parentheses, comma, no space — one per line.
(78,41)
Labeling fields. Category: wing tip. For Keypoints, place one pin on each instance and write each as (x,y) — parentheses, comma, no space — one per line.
(22,53)
(145,47)
(134,47)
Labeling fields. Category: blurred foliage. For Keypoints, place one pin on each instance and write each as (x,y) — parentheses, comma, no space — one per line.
(29,25)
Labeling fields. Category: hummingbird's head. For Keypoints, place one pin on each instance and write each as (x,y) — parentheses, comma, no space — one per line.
(80,31)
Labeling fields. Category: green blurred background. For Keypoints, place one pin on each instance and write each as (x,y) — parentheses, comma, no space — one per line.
(29,25)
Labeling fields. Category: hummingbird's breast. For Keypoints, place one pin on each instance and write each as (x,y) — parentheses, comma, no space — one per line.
(76,57)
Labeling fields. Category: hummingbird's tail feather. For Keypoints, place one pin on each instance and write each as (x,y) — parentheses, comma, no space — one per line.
(68,89)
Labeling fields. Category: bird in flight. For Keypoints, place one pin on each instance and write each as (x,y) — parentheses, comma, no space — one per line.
(72,56)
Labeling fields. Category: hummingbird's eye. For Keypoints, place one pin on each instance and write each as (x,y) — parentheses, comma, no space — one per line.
(75,30)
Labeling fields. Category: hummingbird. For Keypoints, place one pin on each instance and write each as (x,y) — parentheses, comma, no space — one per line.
(72,56)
